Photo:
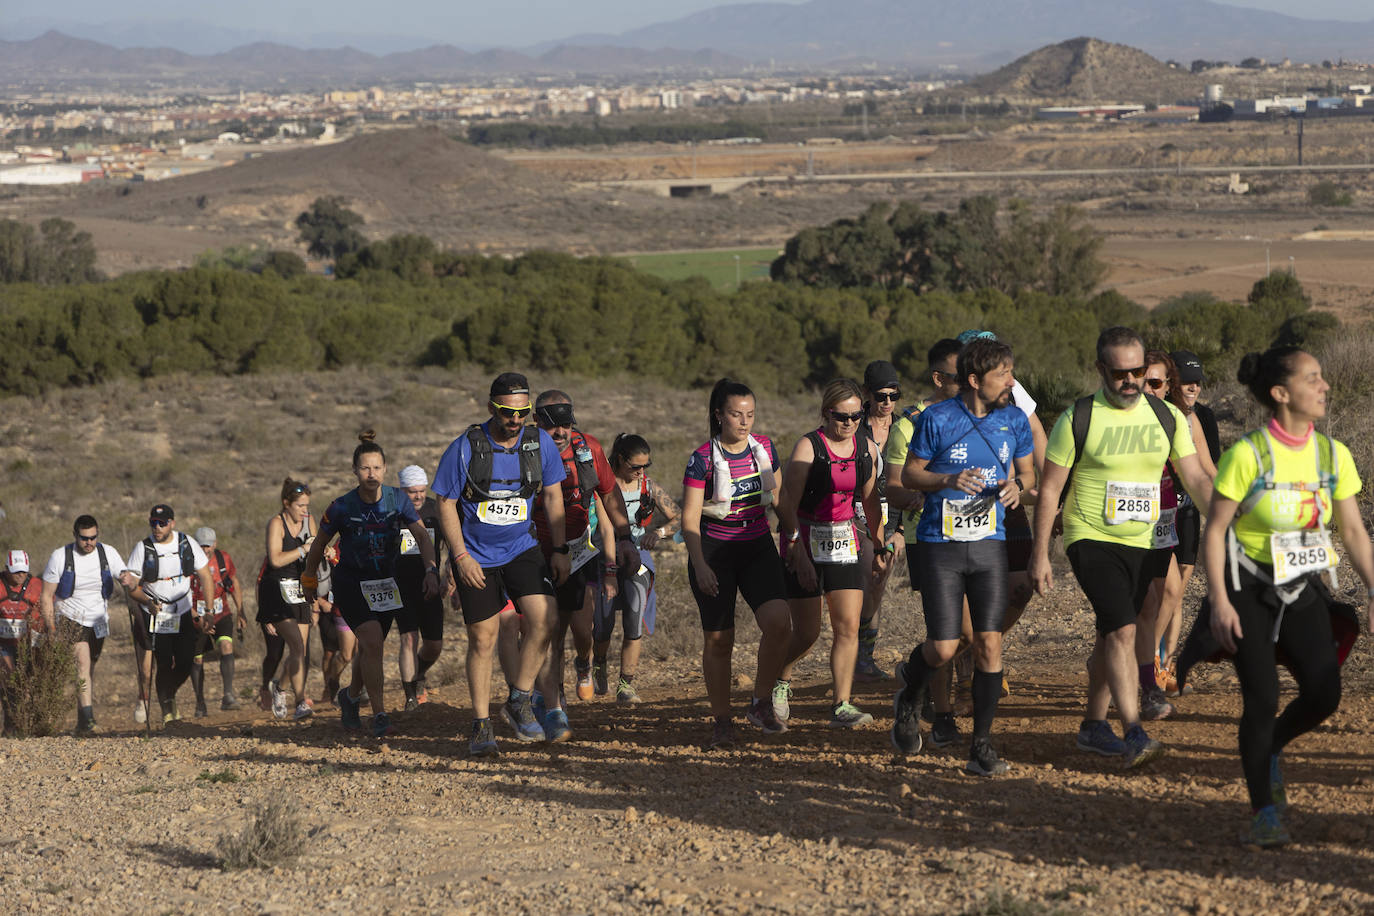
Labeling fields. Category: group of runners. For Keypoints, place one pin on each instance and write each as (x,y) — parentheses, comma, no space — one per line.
(546,533)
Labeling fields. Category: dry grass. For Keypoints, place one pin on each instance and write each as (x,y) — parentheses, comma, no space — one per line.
(41,688)
(274,835)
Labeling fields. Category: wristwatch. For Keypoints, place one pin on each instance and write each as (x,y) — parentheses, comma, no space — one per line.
(562,548)
(433,569)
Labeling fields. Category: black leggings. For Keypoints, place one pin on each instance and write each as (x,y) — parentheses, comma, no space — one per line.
(175,653)
(276,647)
(1309,652)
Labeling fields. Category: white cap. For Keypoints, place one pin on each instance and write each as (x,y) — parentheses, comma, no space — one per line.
(205,536)
(412,475)
(18,561)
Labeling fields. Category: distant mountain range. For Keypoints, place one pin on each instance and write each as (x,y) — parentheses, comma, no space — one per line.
(975,35)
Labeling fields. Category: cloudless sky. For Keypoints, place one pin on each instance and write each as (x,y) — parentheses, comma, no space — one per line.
(470,23)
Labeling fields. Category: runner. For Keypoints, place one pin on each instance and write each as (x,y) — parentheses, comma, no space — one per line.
(1117,451)
(284,612)
(830,470)
(654,516)
(881,392)
(368,521)
(20,619)
(81,577)
(486,485)
(730,480)
(337,642)
(418,616)
(972,456)
(589,491)
(1266,546)
(216,619)
(166,562)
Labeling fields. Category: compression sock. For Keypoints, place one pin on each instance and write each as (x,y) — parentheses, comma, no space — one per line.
(627,678)
(1147,676)
(198,681)
(422,665)
(226,674)
(987,690)
(917,672)
(599,660)
(409,688)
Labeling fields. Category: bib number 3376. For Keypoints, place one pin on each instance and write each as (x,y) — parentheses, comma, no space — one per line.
(1132,502)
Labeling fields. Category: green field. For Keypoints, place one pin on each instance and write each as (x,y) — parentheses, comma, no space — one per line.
(717,266)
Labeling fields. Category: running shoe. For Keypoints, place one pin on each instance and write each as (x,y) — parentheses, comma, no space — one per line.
(421,691)
(867,670)
(906,721)
(944,731)
(303,711)
(782,700)
(229,702)
(280,706)
(537,707)
(983,760)
(600,686)
(348,709)
(412,704)
(847,715)
(1276,790)
(140,712)
(584,682)
(1006,687)
(201,710)
(381,726)
(1153,705)
(722,735)
(761,715)
(520,717)
(1141,748)
(1097,737)
(625,693)
(556,729)
(1267,830)
(483,741)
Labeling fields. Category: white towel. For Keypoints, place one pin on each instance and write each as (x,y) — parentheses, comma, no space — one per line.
(720,469)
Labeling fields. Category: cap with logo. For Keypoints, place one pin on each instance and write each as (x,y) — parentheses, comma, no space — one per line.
(18,561)
(1189,366)
(161,513)
(509,383)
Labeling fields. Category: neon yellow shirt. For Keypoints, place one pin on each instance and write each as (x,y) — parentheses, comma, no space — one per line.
(1123,447)
(894,455)
(1282,510)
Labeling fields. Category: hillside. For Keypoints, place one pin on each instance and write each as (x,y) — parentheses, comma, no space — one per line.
(1086,69)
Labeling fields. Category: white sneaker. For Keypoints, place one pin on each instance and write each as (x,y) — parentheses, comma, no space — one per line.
(280,706)
(303,711)
(140,713)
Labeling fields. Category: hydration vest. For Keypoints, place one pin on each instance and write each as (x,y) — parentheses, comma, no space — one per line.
(66,584)
(151,560)
(582,468)
(19,604)
(820,481)
(478,485)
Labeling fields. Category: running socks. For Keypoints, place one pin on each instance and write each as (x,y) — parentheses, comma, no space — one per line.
(226,674)
(198,680)
(1147,676)
(422,665)
(409,688)
(987,690)
(918,672)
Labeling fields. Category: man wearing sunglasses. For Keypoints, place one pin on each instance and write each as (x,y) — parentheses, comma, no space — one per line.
(1109,509)
(166,561)
(486,485)
(589,487)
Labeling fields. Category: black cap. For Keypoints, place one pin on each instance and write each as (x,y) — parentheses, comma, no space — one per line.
(881,374)
(509,383)
(162,513)
(1188,365)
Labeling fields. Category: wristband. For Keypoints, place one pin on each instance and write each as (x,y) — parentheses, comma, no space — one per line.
(302,551)
(1020,487)
(432,569)
(611,569)
(794,537)
(310,582)
(562,548)
(460,556)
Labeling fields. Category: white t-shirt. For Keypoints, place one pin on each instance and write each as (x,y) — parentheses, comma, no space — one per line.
(1021,398)
(171,588)
(86,605)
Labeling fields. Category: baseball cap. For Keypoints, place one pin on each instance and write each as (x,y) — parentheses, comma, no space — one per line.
(974,334)
(509,383)
(881,374)
(162,513)
(205,536)
(18,561)
(1188,365)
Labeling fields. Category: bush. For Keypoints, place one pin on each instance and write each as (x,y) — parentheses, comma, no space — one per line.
(1329,194)
(274,835)
(41,688)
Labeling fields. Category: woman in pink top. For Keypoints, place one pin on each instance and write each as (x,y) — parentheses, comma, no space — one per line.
(729,481)
(829,470)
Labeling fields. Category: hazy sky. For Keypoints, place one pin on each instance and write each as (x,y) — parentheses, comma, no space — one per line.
(467,22)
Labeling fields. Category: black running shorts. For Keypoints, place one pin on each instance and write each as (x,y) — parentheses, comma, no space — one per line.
(1114,579)
(528,574)
(959,569)
(749,568)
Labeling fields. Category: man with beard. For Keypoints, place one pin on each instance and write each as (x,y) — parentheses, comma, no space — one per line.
(1116,444)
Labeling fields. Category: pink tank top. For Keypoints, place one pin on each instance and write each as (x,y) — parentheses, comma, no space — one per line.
(838,504)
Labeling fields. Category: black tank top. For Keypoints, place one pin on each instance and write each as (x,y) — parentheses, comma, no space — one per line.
(290,543)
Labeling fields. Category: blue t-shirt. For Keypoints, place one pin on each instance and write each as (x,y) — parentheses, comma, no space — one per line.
(503,535)
(949,438)
(369,533)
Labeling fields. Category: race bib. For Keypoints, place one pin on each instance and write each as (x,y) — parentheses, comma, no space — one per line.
(833,543)
(101,628)
(1297,553)
(291,591)
(581,552)
(1166,532)
(968,519)
(381,594)
(199,609)
(883,503)
(13,629)
(1131,502)
(512,511)
(166,620)
(409,546)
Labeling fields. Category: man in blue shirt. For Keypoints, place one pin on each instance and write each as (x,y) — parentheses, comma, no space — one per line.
(485,486)
(972,456)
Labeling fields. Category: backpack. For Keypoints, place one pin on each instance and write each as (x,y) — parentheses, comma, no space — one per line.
(585,469)
(1082,420)
(478,485)
(66,584)
(150,558)
(818,478)
(225,580)
(645,510)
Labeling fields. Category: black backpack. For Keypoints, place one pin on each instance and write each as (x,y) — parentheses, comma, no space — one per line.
(587,478)
(1082,420)
(818,477)
(478,485)
(150,558)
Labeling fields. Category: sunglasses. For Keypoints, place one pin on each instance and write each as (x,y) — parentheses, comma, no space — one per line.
(514,413)
(888,395)
(1120,375)
(298,489)
(846,417)
(555,415)
(83,538)
(158,523)
(1156,382)
(640,467)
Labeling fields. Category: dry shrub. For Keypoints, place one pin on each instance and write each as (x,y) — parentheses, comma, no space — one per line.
(274,835)
(41,688)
